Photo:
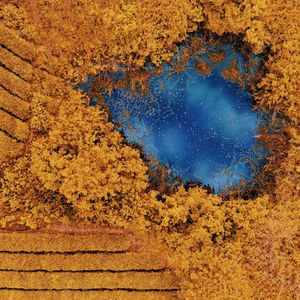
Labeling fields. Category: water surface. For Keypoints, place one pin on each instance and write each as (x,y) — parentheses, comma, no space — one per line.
(202,127)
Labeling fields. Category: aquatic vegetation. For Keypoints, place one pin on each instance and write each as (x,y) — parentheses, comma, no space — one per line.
(223,247)
(199,126)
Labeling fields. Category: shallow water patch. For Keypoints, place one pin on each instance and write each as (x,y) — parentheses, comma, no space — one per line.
(194,121)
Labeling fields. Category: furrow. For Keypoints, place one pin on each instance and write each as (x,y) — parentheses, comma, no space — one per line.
(14,105)
(16,64)
(13,126)
(15,84)
(9,148)
(19,46)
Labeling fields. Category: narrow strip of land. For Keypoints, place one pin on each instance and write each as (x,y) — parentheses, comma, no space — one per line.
(88,295)
(14,105)
(14,84)
(14,43)
(43,242)
(9,147)
(16,64)
(89,280)
(118,262)
(13,126)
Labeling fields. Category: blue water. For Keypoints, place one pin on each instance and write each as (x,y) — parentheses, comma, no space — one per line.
(203,127)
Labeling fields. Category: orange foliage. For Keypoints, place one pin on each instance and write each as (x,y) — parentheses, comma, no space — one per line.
(24,200)
(63,27)
(111,172)
(79,167)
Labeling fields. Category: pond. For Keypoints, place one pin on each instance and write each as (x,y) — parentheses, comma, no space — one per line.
(195,122)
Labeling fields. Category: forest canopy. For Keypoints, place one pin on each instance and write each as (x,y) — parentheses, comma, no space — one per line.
(76,166)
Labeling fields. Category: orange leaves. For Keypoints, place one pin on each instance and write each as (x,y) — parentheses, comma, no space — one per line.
(80,168)
(15,17)
(85,160)
(128,32)
(192,213)
(135,39)
(24,200)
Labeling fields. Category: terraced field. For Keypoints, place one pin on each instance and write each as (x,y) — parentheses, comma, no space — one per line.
(19,74)
(80,266)
(16,73)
